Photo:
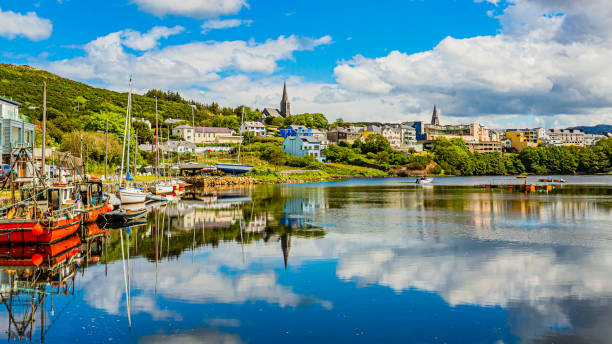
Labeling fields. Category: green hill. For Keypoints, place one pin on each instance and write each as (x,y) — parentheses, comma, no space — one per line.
(73,106)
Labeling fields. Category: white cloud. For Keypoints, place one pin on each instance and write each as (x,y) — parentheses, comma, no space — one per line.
(191,8)
(216,24)
(28,25)
(146,41)
(178,66)
(550,58)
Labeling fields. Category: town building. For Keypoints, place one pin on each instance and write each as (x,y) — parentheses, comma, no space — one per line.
(523,138)
(591,139)
(255,128)
(393,135)
(565,137)
(473,132)
(304,145)
(337,135)
(228,139)
(15,129)
(180,147)
(200,134)
(285,107)
(485,147)
(320,133)
(296,130)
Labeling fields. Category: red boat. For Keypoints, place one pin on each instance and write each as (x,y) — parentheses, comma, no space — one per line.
(94,200)
(43,216)
(36,255)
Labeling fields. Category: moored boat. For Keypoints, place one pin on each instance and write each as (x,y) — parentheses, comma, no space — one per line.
(42,216)
(131,195)
(234,168)
(94,200)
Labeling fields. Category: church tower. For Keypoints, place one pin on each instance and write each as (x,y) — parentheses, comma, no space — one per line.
(435,120)
(285,106)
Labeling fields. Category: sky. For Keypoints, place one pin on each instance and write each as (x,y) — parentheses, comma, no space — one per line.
(502,63)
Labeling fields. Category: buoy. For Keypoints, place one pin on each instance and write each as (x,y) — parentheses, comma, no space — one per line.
(37,229)
(37,259)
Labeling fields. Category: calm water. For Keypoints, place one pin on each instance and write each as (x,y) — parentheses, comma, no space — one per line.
(373,260)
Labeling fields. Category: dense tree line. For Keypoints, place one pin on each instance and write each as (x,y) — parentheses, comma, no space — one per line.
(455,158)
(311,120)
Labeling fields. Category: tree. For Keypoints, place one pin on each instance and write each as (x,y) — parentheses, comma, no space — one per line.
(375,143)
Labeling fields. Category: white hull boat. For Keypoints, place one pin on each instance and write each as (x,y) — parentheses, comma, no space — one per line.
(424,180)
(163,189)
(130,195)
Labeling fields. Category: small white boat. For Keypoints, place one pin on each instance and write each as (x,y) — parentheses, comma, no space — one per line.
(131,194)
(163,188)
(424,180)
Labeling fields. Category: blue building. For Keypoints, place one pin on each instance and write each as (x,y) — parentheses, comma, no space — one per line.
(304,145)
(296,130)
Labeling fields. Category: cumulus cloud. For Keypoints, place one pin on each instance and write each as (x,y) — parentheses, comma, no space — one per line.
(216,24)
(146,41)
(28,25)
(550,58)
(191,8)
(177,66)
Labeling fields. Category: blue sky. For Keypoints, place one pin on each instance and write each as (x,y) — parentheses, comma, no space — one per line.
(501,63)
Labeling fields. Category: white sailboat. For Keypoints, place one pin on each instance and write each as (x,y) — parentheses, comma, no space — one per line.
(160,187)
(129,194)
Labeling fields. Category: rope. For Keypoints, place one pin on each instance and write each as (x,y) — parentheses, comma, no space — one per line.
(22,201)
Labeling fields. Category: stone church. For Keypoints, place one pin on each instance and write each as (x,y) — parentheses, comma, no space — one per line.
(285,107)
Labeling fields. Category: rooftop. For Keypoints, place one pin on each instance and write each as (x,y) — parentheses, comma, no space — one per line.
(10,101)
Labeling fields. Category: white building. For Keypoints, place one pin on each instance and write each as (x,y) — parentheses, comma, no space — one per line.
(256,128)
(393,135)
(565,137)
(14,128)
(200,134)
(591,139)
(179,147)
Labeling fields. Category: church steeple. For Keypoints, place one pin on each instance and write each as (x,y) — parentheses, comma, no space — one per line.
(435,120)
(286,246)
(285,106)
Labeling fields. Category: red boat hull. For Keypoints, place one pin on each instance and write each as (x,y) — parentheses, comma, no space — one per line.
(18,231)
(92,213)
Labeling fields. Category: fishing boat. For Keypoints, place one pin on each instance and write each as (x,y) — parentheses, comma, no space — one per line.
(43,216)
(94,200)
(424,180)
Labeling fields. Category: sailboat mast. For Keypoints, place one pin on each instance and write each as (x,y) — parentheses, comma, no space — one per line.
(127,112)
(129,130)
(240,143)
(156,148)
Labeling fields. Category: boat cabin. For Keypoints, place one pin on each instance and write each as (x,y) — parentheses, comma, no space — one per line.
(91,192)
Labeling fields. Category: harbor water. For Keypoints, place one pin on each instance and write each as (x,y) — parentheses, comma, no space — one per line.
(360,260)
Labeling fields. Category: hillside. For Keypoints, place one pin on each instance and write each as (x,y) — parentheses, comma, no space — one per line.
(73,106)
(596,129)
